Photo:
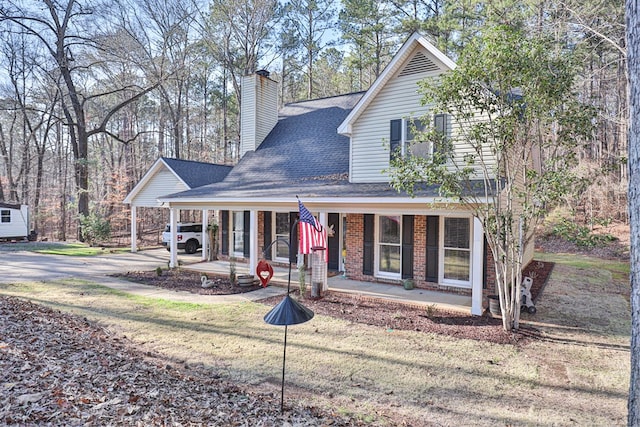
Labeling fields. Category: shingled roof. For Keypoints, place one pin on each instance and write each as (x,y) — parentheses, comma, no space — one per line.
(304,146)
(196,174)
(302,156)
(304,143)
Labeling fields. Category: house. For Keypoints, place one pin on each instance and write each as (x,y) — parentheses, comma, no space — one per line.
(14,221)
(166,176)
(334,154)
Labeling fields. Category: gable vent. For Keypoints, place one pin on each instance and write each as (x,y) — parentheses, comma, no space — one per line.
(418,64)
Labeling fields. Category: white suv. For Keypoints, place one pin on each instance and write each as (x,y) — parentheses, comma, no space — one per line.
(189,237)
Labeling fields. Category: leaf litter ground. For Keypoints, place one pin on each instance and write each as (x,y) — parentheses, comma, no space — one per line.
(63,369)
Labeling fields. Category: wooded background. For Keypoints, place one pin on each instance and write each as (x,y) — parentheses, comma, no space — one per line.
(93,92)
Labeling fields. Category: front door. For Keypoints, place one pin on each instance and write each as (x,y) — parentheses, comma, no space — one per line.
(334,243)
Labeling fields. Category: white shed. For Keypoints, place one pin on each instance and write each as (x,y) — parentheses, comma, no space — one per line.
(14,221)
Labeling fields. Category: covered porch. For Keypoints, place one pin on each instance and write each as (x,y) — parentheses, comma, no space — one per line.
(339,283)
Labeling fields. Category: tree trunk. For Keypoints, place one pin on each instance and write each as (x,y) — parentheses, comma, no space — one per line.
(633,70)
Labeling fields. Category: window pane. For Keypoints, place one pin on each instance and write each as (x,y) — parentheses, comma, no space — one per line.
(282,232)
(389,259)
(238,221)
(282,250)
(420,149)
(389,229)
(238,231)
(456,264)
(282,223)
(456,233)
(414,127)
(5,215)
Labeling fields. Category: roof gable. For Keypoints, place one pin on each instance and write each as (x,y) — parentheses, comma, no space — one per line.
(190,174)
(408,60)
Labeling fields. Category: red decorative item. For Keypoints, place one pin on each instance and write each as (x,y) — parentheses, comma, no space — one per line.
(264,271)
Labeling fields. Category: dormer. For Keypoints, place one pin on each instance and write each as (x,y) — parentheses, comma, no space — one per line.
(393,98)
(258,110)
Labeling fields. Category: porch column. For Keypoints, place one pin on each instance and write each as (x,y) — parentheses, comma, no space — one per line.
(134,229)
(253,241)
(205,235)
(173,223)
(324,218)
(476,271)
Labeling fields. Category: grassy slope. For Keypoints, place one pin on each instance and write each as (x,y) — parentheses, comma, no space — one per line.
(578,375)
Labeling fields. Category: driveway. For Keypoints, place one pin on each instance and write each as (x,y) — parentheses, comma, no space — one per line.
(20,266)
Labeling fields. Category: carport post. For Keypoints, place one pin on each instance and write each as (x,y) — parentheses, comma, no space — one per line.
(134,229)
(205,234)
(173,259)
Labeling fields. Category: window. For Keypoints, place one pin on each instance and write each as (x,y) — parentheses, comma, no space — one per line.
(5,215)
(238,233)
(456,249)
(281,233)
(389,246)
(403,133)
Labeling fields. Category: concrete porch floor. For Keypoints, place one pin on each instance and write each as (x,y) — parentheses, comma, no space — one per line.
(417,297)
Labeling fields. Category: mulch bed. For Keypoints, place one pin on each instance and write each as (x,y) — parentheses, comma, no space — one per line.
(185,280)
(375,312)
(539,271)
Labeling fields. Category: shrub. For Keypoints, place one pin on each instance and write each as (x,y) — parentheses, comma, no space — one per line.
(94,228)
(578,234)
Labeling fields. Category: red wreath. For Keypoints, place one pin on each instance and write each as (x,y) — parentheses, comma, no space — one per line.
(264,271)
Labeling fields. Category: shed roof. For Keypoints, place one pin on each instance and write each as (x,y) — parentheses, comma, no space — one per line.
(183,174)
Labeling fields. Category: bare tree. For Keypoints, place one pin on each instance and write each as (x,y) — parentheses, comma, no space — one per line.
(71,35)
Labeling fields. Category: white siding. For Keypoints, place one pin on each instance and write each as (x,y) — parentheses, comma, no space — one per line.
(247,116)
(370,136)
(370,132)
(18,226)
(259,111)
(462,147)
(161,184)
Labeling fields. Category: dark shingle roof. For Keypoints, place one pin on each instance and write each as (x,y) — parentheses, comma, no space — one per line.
(304,143)
(302,156)
(196,174)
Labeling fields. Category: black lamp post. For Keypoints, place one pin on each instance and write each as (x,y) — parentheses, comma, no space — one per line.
(287,312)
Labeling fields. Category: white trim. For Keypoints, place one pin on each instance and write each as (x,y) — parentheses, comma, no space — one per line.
(253,241)
(274,234)
(232,234)
(134,230)
(466,284)
(173,221)
(153,170)
(324,204)
(376,250)
(477,267)
(205,234)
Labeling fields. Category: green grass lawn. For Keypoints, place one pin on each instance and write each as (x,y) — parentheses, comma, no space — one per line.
(61,248)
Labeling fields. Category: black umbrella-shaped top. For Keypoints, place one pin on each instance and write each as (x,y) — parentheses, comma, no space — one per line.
(288,312)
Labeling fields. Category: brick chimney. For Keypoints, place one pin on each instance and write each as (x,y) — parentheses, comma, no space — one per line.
(259,110)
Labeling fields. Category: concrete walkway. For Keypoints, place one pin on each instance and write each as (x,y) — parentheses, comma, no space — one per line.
(417,297)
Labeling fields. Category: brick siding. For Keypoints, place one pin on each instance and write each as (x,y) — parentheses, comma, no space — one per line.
(353,263)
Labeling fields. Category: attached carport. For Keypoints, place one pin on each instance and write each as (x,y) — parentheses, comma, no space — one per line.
(168,176)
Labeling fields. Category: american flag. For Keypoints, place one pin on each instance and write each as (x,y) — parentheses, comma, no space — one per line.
(311,232)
